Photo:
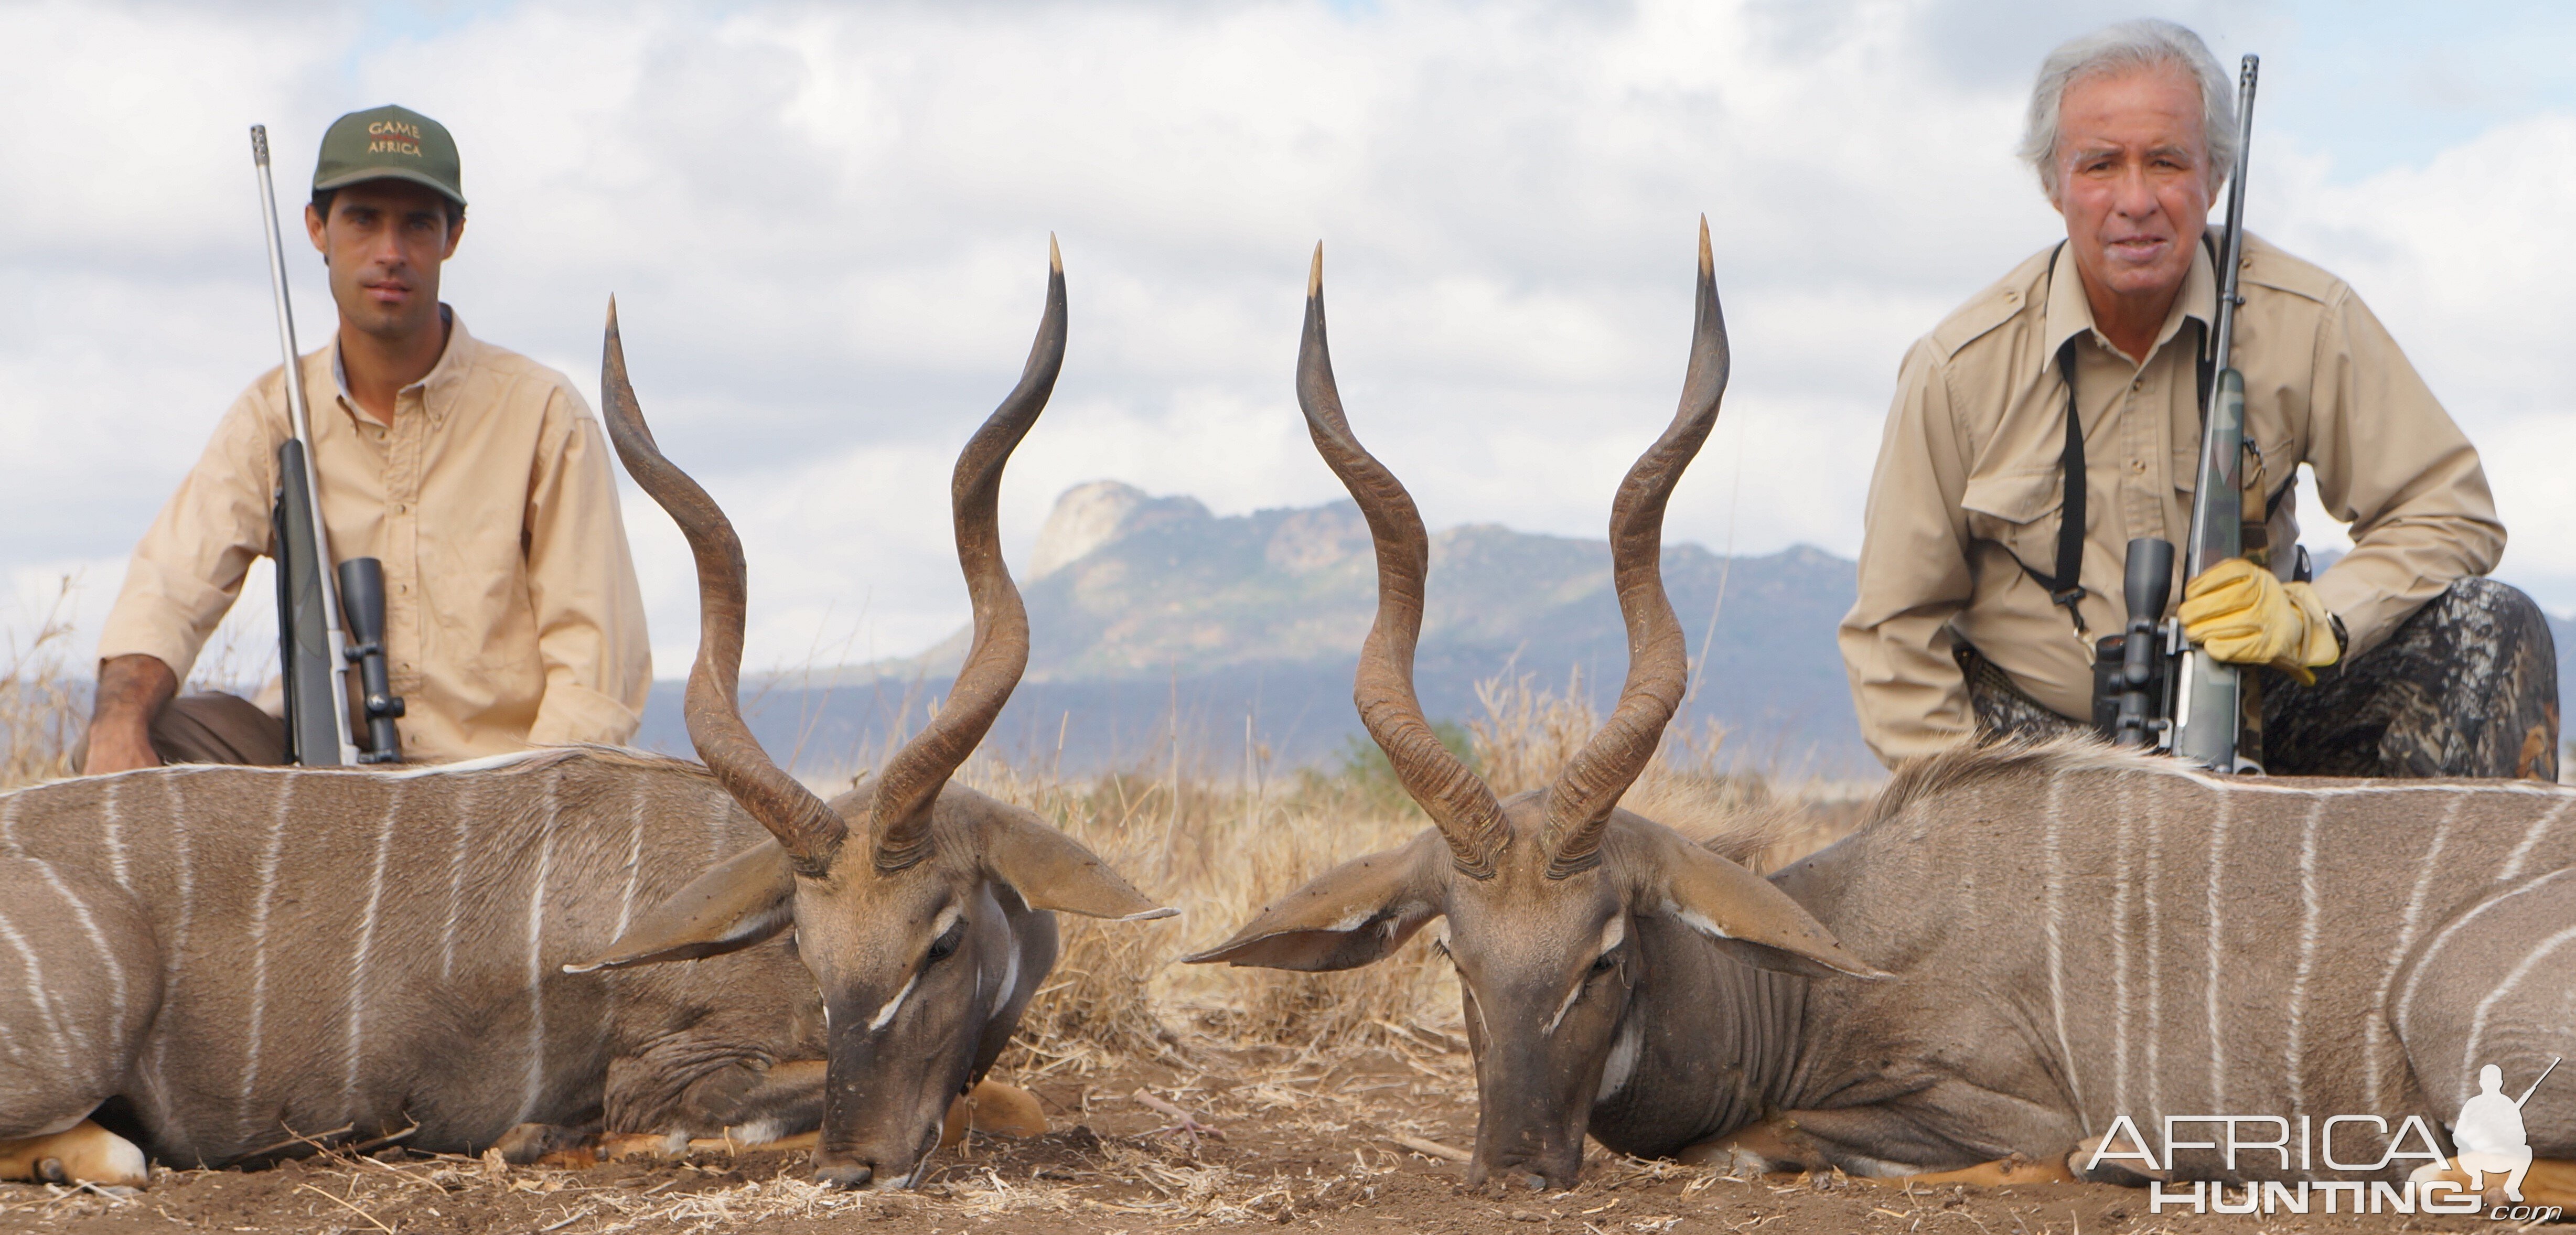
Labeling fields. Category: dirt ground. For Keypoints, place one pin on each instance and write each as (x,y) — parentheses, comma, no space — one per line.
(1300,1143)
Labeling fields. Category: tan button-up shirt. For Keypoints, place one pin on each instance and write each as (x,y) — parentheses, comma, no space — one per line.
(512,612)
(1968,484)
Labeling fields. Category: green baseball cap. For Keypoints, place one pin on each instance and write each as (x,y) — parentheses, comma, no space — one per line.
(389,143)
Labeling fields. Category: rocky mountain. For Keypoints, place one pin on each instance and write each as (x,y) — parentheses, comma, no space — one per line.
(1158,627)
(1155,623)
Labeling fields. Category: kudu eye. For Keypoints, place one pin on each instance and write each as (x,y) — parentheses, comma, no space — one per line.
(1608,961)
(947,944)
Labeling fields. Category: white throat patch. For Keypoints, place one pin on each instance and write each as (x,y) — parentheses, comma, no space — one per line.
(1622,1063)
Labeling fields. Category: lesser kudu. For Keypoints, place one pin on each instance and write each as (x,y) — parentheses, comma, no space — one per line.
(229,962)
(2043,940)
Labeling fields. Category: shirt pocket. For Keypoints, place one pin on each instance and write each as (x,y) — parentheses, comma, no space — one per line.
(2280,463)
(2017,509)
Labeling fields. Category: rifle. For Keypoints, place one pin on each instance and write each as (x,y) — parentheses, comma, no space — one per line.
(2170,693)
(315,653)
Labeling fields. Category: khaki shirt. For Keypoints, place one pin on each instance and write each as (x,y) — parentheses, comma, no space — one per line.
(1968,483)
(512,613)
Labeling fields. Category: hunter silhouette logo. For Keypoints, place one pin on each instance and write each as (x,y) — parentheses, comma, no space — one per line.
(2490,1135)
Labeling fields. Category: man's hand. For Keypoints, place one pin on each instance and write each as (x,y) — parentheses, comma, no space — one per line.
(131,691)
(2239,613)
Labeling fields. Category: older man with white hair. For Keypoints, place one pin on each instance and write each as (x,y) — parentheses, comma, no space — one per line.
(2400,660)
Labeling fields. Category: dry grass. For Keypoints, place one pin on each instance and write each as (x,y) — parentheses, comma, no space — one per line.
(1221,850)
(1226,850)
(42,703)
(1116,1001)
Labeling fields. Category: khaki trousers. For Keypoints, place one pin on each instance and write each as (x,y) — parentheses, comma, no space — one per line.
(210,728)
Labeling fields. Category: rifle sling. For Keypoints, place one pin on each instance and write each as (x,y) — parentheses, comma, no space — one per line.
(2066,584)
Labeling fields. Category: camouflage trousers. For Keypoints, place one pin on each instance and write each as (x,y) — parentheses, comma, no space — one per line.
(2468,686)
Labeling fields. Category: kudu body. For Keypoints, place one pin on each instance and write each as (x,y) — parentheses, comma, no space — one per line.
(2026,945)
(2080,935)
(230,958)
(234,956)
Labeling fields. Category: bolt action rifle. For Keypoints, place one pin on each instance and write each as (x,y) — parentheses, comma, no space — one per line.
(2165,692)
(316,652)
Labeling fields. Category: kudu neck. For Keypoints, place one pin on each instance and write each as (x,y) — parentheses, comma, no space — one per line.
(1718,1045)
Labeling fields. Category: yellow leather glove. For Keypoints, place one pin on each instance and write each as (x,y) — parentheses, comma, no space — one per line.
(2239,613)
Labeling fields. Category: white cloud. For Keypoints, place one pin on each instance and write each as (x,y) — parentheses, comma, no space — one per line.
(826,227)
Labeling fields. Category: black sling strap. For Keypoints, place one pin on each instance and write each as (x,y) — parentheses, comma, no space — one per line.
(2066,587)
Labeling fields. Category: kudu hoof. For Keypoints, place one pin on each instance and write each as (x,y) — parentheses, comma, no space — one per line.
(549,1145)
(994,1109)
(2127,1169)
(615,1146)
(82,1154)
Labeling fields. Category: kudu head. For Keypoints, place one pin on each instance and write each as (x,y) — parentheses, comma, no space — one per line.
(899,894)
(1545,893)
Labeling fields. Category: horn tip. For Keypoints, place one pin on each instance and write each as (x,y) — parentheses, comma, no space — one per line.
(1707,266)
(612,311)
(1055,256)
(1315,272)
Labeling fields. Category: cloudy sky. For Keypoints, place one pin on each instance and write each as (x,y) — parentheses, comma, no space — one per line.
(826,227)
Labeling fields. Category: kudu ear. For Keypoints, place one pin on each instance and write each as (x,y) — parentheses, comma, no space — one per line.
(746,899)
(1349,916)
(1757,922)
(1051,870)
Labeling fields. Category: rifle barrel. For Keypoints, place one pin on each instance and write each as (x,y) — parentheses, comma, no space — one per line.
(2232,248)
(300,425)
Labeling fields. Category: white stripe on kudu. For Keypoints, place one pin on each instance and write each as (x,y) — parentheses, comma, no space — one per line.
(2294,1055)
(634,864)
(112,831)
(2055,892)
(2217,867)
(2124,834)
(2407,926)
(2478,1023)
(356,1049)
(464,808)
(175,948)
(2539,828)
(36,990)
(2405,1010)
(2155,953)
(259,946)
(98,942)
(537,950)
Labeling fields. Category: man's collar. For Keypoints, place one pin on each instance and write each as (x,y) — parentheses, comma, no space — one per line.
(433,385)
(2071,314)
